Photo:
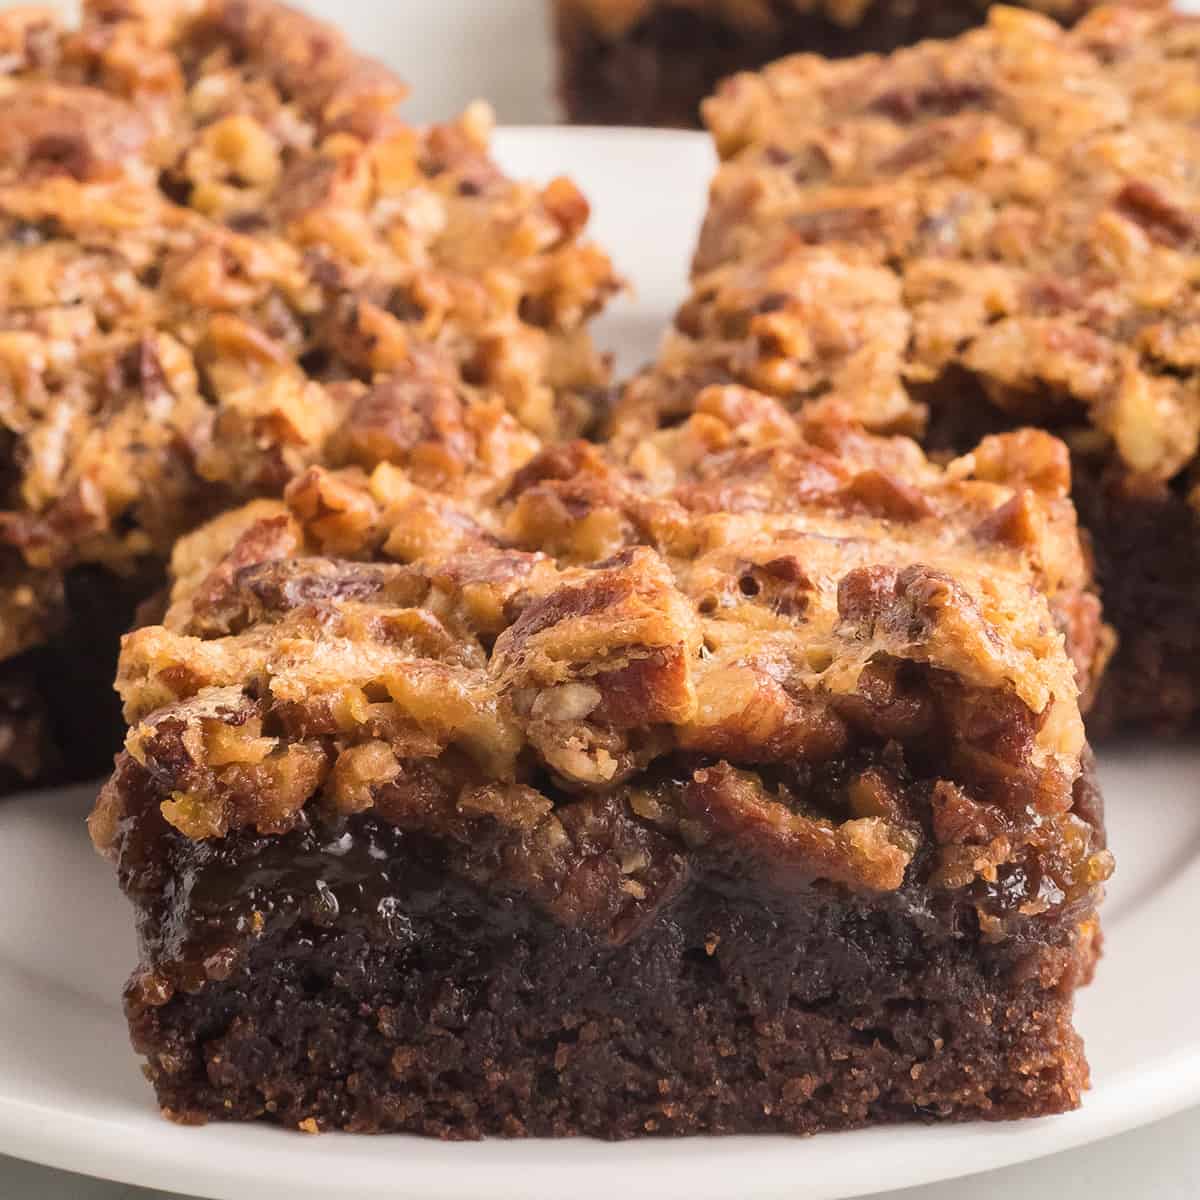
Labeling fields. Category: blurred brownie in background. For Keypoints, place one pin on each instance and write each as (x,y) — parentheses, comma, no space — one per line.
(996,231)
(651,62)
(223,256)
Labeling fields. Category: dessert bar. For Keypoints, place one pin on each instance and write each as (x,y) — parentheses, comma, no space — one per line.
(215,237)
(736,783)
(651,62)
(978,235)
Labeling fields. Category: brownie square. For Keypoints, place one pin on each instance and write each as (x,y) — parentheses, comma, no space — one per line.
(973,236)
(731,781)
(216,238)
(652,62)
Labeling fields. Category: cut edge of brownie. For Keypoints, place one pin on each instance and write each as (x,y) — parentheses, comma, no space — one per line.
(60,716)
(405,998)
(542,835)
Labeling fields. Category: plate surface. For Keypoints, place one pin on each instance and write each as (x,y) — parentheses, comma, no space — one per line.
(71,1094)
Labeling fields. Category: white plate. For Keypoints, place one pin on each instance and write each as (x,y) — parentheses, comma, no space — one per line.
(71,1095)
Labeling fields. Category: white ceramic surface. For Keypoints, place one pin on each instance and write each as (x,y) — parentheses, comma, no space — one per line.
(70,1091)
(1161,1161)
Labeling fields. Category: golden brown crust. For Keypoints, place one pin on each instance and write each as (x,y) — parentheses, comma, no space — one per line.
(54,129)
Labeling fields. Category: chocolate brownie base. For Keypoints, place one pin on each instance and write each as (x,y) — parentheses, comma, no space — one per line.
(1146,548)
(60,719)
(431,1005)
(26,747)
(1147,551)
(658,71)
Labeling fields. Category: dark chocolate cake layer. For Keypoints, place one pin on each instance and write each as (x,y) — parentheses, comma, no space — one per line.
(356,976)
(1147,547)
(60,718)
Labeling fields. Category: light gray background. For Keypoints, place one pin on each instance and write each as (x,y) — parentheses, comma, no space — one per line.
(501,51)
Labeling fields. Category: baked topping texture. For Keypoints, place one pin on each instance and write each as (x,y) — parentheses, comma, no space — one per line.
(217,242)
(608,709)
(767,598)
(950,242)
(652,62)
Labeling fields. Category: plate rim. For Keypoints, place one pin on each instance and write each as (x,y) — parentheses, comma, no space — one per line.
(85,1145)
